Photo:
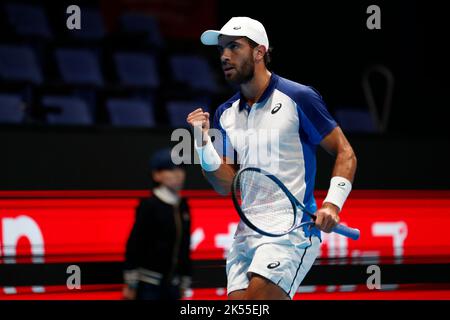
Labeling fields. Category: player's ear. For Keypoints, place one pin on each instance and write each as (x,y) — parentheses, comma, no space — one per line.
(259,52)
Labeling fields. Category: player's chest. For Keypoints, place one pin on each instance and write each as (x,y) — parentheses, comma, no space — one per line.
(273,118)
(274,124)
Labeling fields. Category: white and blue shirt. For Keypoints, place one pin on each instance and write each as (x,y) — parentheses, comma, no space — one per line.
(287,123)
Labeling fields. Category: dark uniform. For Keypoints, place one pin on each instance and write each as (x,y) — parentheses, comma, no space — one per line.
(157,253)
(157,259)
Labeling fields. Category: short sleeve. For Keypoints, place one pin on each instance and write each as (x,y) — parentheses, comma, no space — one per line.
(315,120)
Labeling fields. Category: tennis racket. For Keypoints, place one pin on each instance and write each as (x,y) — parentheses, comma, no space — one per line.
(266,205)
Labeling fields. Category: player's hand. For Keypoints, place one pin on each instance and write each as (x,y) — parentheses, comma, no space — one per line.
(128,293)
(199,119)
(327,217)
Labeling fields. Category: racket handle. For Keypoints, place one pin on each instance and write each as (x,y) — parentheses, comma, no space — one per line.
(351,233)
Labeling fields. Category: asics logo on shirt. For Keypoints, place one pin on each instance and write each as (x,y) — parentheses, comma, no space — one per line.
(277,107)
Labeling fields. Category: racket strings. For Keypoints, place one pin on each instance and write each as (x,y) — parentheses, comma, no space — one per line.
(264,203)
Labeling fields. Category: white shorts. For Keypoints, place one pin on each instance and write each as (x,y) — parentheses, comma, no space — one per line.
(283,260)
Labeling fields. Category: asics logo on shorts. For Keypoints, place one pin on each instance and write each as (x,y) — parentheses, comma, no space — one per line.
(273,265)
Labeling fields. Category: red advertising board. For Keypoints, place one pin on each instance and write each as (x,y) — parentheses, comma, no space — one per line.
(86,226)
(76,226)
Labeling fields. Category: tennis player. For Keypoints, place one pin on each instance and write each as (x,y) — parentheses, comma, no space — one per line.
(260,267)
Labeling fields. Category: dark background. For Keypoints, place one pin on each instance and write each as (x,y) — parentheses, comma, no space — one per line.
(327,44)
(321,43)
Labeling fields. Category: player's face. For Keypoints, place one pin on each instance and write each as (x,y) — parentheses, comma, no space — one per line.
(172,179)
(236,56)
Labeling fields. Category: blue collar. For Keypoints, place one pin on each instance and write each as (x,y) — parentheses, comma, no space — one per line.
(267,93)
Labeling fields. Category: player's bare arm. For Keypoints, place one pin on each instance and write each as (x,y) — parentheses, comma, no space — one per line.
(336,144)
(222,177)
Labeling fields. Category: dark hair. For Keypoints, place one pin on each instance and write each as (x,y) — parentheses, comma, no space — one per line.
(161,159)
(267,55)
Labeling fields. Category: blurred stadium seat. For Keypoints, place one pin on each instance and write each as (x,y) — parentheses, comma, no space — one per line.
(137,69)
(11,109)
(178,111)
(92,25)
(96,64)
(130,113)
(142,24)
(355,120)
(66,110)
(79,67)
(28,20)
(194,72)
(18,63)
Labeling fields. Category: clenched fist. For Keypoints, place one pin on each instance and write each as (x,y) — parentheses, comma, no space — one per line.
(199,119)
(327,217)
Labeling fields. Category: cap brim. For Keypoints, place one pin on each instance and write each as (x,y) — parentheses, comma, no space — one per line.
(210,37)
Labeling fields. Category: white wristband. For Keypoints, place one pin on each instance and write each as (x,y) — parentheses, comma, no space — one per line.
(338,192)
(209,158)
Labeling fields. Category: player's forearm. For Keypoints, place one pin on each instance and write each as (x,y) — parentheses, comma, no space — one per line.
(215,169)
(221,179)
(342,179)
(345,164)
(336,144)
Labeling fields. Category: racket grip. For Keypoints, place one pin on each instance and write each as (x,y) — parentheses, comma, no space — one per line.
(351,233)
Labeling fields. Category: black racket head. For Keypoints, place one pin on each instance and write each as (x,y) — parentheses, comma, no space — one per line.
(262,203)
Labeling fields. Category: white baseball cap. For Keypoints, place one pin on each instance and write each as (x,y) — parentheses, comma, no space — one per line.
(238,26)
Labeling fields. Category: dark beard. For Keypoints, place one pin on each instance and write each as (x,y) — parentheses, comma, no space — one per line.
(246,73)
